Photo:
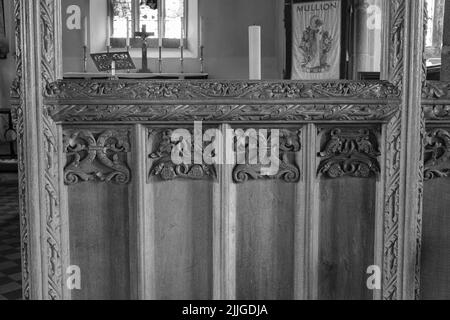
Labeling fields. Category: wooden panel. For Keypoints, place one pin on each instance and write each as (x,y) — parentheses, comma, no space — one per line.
(99,240)
(346,248)
(435,270)
(183,239)
(265,240)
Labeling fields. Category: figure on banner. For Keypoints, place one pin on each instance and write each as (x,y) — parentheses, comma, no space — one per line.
(316,44)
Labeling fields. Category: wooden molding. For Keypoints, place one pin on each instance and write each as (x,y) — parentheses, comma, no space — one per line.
(42,103)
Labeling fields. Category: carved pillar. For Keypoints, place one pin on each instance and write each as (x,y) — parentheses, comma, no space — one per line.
(38,64)
(404,160)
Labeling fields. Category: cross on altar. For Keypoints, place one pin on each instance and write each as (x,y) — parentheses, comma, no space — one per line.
(144,35)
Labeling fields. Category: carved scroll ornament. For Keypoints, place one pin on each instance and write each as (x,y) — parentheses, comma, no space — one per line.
(288,171)
(437,154)
(350,153)
(164,167)
(96,157)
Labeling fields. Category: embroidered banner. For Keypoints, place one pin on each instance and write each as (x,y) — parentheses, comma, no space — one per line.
(316,40)
(4,49)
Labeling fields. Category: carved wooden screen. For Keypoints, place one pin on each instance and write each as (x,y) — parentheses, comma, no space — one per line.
(96,180)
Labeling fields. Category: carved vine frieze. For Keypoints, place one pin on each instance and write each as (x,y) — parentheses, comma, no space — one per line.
(223,113)
(95,155)
(397,40)
(392,209)
(191,90)
(288,145)
(163,165)
(48,72)
(18,114)
(349,152)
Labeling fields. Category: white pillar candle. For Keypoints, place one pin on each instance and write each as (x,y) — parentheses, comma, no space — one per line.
(182,33)
(85,35)
(255,52)
(113,68)
(127,44)
(108,32)
(160,24)
(201,32)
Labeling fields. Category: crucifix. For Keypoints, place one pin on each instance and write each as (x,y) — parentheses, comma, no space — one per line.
(144,35)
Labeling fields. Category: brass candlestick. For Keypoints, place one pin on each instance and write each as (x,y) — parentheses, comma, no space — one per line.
(128,50)
(202,60)
(182,59)
(85,59)
(160,60)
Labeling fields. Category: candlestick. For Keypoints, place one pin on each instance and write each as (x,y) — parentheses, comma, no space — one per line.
(202,60)
(128,50)
(255,53)
(160,59)
(182,59)
(85,59)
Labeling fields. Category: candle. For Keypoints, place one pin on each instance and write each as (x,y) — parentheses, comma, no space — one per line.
(108,32)
(255,52)
(128,33)
(160,25)
(113,68)
(201,32)
(85,38)
(182,33)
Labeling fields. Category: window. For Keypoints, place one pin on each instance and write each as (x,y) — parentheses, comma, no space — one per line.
(164,19)
(435,28)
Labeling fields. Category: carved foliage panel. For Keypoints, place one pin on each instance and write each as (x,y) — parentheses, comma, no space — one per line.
(349,152)
(217,90)
(437,153)
(204,157)
(253,145)
(181,156)
(97,155)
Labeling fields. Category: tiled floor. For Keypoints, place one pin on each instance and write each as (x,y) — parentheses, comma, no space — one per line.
(10,272)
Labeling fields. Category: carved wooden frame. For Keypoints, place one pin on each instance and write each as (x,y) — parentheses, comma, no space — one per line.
(395,104)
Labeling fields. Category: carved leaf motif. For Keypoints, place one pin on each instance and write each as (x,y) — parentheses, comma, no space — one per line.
(437,154)
(349,153)
(195,112)
(164,167)
(91,158)
(435,89)
(289,144)
(189,90)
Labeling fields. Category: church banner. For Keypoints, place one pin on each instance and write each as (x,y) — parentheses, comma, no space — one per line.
(316,41)
(3,40)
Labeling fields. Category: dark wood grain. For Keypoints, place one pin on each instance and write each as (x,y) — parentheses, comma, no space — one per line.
(265,240)
(435,270)
(99,240)
(346,249)
(183,240)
